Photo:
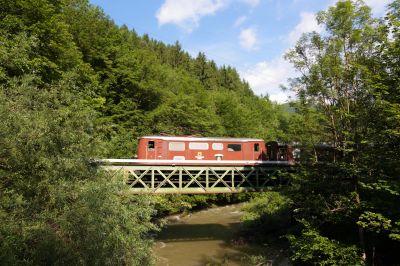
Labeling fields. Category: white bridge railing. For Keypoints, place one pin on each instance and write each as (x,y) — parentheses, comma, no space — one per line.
(189,179)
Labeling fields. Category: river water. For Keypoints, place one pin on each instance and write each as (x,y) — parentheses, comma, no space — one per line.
(210,237)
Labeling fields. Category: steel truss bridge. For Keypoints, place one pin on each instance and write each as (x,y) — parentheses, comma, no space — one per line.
(195,179)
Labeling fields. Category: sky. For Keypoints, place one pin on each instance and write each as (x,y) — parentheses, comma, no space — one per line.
(249,35)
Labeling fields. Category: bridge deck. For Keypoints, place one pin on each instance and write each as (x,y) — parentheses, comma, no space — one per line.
(191,179)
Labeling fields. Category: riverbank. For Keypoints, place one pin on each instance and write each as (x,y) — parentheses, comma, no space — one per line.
(212,237)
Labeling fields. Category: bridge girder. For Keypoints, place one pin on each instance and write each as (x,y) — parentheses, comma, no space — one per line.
(200,179)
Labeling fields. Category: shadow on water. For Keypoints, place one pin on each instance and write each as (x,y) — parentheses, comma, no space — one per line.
(198,232)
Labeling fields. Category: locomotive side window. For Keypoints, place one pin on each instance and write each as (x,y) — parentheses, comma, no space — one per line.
(256,147)
(217,146)
(234,147)
(198,145)
(150,145)
(176,146)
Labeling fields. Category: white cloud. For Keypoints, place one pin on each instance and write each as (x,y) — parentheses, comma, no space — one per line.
(248,38)
(239,21)
(187,14)
(266,77)
(252,3)
(307,23)
(378,6)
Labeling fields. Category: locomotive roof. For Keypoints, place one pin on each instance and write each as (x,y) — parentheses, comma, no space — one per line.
(190,138)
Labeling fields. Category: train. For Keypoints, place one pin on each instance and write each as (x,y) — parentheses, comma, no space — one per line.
(189,150)
(221,151)
(188,164)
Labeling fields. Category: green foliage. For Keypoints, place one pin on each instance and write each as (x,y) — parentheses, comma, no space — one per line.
(186,115)
(168,204)
(395,235)
(55,208)
(335,68)
(106,224)
(374,222)
(349,98)
(269,211)
(314,249)
(95,222)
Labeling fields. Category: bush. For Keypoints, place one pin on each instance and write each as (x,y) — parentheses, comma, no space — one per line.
(314,249)
(269,211)
(55,207)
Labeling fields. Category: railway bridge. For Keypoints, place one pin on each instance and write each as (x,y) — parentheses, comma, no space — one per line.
(187,177)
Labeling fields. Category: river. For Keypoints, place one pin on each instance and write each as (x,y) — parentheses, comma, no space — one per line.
(210,237)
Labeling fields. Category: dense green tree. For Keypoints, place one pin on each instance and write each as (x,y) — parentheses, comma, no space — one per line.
(349,81)
(56,208)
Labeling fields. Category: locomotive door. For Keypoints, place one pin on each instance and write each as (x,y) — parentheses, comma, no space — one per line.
(252,151)
(257,151)
(154,150)
(151,150)
(272,149)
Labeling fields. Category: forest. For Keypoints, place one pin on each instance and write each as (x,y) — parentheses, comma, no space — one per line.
(75,86)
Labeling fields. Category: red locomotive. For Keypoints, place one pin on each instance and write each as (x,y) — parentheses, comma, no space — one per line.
(187,150)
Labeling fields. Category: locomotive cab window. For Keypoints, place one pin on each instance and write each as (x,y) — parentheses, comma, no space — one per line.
(256,147)
(150,145)
(234,147)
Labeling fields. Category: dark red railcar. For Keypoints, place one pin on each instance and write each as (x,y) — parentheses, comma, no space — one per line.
(279,152)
